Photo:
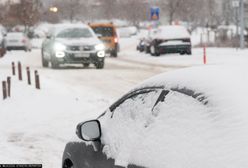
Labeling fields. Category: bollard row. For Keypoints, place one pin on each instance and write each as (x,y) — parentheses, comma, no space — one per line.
(6,84)
(6,88)
(28,72)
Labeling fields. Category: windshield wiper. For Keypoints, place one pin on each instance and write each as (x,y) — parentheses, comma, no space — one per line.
(161,98)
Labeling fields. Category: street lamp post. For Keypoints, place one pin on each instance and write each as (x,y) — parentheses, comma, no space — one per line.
(242,25)
(235,5)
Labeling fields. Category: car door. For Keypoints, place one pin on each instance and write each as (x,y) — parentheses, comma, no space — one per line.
(82,155)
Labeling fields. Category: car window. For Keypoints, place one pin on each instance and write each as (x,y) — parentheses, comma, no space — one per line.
(129,118)
(134,106)
(180,120)
(75,33)
(104,31)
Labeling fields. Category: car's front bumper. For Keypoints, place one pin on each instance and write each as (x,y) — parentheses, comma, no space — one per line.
(80,58)
(174,49)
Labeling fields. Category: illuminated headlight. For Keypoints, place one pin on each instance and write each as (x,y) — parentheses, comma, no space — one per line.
(59,47)
(101,54)
(99,47)
(60,54)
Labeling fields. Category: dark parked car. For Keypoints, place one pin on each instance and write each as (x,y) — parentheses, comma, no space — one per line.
(171,39)
(177,119)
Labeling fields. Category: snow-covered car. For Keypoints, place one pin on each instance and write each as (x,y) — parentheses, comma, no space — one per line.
(17,41)
(184,118)
(72,44)
(171,39)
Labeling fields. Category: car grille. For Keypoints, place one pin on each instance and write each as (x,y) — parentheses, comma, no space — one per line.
(81,48)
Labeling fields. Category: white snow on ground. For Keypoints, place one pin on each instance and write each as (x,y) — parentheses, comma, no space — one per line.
(36,124)
(214,55)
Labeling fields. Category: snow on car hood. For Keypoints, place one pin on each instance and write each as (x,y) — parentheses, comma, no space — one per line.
(171,32)
(185,133)
(79,41)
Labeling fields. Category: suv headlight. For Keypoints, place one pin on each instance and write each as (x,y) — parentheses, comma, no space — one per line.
(59,47)
(99,47)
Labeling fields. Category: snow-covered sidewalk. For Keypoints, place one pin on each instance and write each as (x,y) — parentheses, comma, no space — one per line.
(35,124)
(214,55)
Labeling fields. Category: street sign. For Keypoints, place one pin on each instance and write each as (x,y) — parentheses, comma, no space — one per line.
(154,11)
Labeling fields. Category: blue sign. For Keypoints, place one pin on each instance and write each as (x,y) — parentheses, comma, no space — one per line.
(155,11)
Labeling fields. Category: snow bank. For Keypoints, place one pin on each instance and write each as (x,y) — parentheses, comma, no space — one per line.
(35,124)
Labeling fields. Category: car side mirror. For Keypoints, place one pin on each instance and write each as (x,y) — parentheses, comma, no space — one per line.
(49,36)
(89,130)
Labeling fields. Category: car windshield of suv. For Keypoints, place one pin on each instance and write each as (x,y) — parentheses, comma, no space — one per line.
(74,33)
(104,31)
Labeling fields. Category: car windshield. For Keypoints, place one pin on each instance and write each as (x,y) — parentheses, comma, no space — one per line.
(104,31)
(75,33)
(15,35)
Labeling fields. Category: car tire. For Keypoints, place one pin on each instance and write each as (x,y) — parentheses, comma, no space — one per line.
(114,53)
(44,62)
(68,164)
(154,51)
(99,65)
(86,65)
(54,64)
(147,49)
(182,53)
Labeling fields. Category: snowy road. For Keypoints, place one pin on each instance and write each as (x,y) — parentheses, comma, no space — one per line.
(35,125)
(118,76)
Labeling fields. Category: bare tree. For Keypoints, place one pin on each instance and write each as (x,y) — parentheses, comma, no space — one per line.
(26,13)
(172,7)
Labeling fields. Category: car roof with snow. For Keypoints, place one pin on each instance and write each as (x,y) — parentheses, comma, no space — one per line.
(213,81)
(172,32)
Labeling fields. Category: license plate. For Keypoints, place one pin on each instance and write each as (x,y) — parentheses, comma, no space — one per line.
(13,41)
(81,55)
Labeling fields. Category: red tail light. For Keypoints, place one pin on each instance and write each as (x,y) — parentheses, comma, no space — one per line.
(116,40)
